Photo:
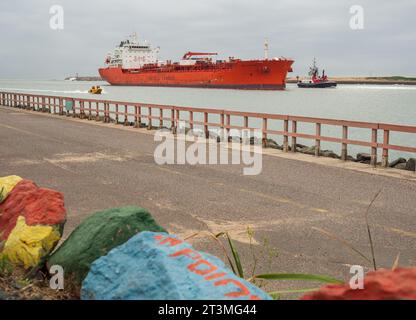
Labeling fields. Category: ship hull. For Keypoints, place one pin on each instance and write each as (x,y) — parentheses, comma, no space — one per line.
(325,84)
(246,75)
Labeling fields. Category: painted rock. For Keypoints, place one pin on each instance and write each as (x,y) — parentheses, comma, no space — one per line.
(161,266)
(7,184)
(398,284)
(97,235)
(38,206)
(27,245)
(31,223)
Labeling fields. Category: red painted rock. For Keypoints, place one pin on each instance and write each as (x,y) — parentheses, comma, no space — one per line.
(38,206)
(398,284)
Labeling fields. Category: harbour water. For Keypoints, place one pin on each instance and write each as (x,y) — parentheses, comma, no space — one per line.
(375,103)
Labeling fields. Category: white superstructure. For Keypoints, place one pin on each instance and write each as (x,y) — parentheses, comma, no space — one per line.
(132,54)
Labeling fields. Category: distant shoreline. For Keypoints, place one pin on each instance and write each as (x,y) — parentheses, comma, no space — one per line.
(86,78)
(340,80)
(365,80)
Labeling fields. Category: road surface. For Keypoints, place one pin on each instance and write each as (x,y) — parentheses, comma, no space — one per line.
(99,166)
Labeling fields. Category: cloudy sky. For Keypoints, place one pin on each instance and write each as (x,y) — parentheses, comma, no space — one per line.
(300,29)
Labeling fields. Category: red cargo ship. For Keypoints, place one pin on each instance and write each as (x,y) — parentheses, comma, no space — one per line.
(136,64)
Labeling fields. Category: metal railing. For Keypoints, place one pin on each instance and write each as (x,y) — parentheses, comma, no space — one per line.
(103,110)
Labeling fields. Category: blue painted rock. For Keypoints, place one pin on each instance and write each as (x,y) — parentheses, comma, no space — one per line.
(161,266)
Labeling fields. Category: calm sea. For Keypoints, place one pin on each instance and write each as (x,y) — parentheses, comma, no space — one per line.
(376,103)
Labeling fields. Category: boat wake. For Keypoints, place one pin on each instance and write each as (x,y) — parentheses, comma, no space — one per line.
(45,90)
(379,87)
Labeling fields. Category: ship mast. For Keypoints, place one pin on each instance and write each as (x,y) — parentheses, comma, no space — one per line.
(266,49)
(314,69)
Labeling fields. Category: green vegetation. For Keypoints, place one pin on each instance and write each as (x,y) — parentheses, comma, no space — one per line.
(233,257)
(6,268)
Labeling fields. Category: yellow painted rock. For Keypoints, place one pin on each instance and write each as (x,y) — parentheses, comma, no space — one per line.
(7,184)
(27,245)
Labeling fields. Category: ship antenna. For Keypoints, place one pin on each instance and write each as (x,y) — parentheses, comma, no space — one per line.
(266,49)
(314,69)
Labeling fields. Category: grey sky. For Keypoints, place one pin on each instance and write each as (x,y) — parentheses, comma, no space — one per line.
(300,29)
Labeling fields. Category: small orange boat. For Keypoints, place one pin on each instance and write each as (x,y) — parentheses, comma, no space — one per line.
(95,90)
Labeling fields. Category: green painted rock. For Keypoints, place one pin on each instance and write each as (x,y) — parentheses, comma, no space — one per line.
(97,235)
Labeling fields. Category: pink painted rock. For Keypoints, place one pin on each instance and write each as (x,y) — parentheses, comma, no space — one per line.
(398,284)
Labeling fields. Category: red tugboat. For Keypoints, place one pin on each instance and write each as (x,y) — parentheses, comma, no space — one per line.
(135,63)
(316,80)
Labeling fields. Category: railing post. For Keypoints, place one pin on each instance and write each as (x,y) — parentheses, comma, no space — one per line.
(344,146)
(385,156)
(149,125)
(104,112)
(139,115)
(172,120)
(177,119)
(191,120)
(264,131)
(61,106)
(318,140)
(285,136)
(89,110)
(294,130)
(116,113)
(81,110)
(160,118)
(74,111)
(126,120)
(206,131)
(136,117)
(222,133)
(228,123)
(97,111)
(108,112)
(373,160)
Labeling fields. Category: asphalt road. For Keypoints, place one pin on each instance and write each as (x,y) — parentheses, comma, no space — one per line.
(104,166)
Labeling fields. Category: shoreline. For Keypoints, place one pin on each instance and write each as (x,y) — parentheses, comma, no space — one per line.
(364,80)
(339,80)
